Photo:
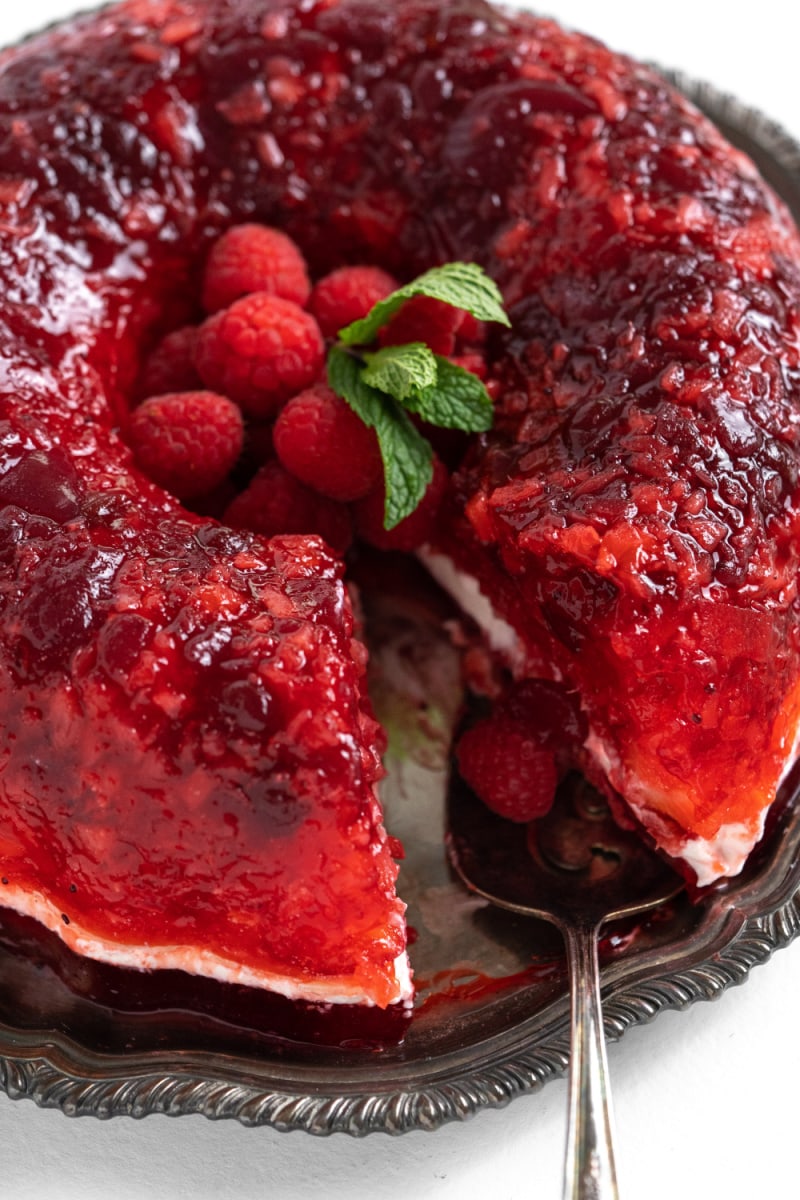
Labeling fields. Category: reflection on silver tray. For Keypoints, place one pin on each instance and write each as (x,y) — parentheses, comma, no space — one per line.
(492,1009)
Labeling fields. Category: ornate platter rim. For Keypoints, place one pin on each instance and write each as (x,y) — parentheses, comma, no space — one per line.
(742,927)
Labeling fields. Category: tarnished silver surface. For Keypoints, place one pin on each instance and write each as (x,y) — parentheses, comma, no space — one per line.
(460,1055)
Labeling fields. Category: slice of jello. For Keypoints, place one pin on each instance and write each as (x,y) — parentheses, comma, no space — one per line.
(197,790)
(630,528)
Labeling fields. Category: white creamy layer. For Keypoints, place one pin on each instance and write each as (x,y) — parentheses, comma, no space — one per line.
(717,857)
(723,855)
(466,592)
(193,960)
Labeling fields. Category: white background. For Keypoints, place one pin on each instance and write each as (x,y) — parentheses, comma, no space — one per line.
(705,1099)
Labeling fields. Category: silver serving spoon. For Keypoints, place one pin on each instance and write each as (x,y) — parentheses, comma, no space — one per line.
(577,869)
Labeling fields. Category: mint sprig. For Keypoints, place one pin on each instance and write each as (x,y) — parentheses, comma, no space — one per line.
(407,455)
(383,385)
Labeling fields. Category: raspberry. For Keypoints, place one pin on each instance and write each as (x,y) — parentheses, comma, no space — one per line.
(254,258)
(415,530)
(275,502)
(323,443)
(186,441)
(473,361)
(170,366)
(549,709)
(348,295)
(471,331)
(513,775)
(260,351)
(423,319)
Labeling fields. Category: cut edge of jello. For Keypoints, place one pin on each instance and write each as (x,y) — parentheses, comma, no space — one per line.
(724,848)
(345,989)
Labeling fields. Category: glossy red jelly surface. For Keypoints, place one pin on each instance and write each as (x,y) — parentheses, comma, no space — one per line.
(642,485)
(188,757)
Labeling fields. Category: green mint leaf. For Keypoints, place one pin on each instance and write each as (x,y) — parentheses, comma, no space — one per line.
(407,457)
(345,377)
(402,371)
(457,400)
(463,285)
(379,384)
(407,464)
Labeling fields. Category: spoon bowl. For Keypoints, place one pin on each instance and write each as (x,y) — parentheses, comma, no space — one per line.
(578,870)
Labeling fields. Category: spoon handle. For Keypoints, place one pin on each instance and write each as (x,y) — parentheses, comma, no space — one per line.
(590,1173)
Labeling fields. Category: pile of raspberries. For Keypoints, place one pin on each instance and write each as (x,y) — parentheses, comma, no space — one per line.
(237,420)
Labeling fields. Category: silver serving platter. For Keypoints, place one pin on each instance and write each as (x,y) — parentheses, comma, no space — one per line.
(491,1016)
